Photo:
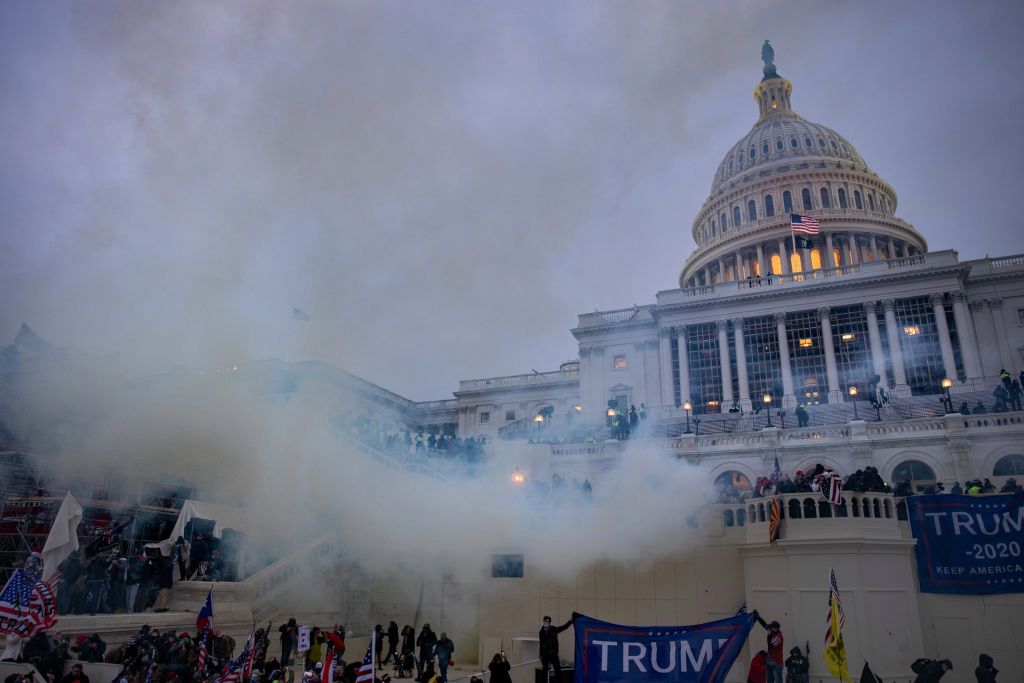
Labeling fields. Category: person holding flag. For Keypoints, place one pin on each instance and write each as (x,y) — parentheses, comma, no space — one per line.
(834,652)
(776,660)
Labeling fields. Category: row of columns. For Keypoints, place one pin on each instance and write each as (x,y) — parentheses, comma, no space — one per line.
(968,349)
(854,248)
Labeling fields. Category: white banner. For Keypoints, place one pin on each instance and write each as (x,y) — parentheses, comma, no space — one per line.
(303,645)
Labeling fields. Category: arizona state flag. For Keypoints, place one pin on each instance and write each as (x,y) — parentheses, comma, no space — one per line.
(774,517)
(834,653)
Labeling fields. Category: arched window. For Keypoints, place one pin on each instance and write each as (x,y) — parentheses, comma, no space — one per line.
(1009,466)
(735,216)
(920,475)
(821,142)
(826,199)
(776,264)
(751,210)
(756,265)
(807,141)
(769,206)
(787,201)
(753,152)
(764,149)
(835,257)
(815,259)
(842,198)
(732,479)
(871,201)
(834,145)
(779,144)
(795,264)
(856,200)
(714,228)
(793,143)
(805,194)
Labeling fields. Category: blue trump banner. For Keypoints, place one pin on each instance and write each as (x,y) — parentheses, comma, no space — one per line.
(970,545)
(611,653)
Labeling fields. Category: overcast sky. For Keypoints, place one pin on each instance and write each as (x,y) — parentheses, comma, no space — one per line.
(442,186)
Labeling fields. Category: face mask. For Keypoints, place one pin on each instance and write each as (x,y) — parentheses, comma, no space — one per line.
(546,624)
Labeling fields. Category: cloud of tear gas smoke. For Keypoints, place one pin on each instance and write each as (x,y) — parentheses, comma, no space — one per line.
(276,456)
(441,186)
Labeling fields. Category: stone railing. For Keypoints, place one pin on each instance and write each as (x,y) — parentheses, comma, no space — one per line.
(520,380)
(444,404)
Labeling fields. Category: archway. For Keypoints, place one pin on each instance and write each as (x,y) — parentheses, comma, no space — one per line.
(920,475)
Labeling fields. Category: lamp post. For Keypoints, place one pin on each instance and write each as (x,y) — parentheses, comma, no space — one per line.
(539,420)
(687,407)
(853,395)
(946,384)
(767,400)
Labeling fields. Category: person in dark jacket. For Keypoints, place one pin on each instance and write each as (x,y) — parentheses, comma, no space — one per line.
(443,649)
(500,668)
(986,671)
(549,646)
(70,569)
(76,675)
(289,634)
(797,667)
(933,671)
(378,644)
(392,642)
(164,582)
(425,642)
(775,661)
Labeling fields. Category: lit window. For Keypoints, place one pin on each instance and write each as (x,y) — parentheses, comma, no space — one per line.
(485,418)
(835,256)
(911,330)
(848,336)
(815,259)
(510,415)
(712,403)
(619,363)
(775,105)
(578,408)
(806,343)
(795,265)
(776,264)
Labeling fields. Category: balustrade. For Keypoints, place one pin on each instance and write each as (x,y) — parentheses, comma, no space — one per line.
(810,506)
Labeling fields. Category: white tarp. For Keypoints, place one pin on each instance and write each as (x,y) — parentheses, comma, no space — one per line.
(224,517)
(63,537)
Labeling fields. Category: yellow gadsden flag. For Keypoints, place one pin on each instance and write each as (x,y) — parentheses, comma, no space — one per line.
(834,651)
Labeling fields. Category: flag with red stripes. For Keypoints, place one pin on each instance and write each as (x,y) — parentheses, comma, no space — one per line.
(365,672)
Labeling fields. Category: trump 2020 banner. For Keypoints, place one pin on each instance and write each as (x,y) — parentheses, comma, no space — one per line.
(612,653)
(969,545)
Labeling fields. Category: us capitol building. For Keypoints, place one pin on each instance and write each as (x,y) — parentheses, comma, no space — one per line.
(755,333)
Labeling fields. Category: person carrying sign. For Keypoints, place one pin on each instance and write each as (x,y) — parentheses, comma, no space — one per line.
(549,646)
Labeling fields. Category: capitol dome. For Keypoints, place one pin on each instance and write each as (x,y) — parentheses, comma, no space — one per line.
(788,165)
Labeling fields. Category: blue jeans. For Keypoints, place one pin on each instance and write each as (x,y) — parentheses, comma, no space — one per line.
(442,664)
(774,672)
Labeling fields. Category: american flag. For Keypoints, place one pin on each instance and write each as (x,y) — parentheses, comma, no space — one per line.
(201,659)
(234,670)
(804,224)
(26,607)
(832,487)
(833,594)
(365,671)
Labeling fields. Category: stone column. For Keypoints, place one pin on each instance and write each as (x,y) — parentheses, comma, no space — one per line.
(835,392)
(875,342)
(899,372)
(684,364)
(723,359)
(741,364)
(854,249)
(665,363)
(945,343)
(707,276)
(874,248)
(965,332)
(760,261)
(721,270)
(784,257)
(977,311)
(788,399)
(829,262)
(995,307)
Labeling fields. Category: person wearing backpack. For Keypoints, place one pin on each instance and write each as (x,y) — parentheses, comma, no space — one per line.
(930,670)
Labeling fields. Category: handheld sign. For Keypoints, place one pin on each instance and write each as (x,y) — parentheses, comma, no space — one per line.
(612,653)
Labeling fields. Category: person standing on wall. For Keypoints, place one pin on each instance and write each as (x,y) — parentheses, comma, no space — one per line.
(549,645)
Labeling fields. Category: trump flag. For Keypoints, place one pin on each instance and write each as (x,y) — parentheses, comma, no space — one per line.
(612,653)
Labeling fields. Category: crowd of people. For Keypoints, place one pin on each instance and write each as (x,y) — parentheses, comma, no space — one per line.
(407,442)
(101,580)
(866,480)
